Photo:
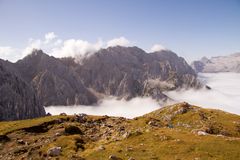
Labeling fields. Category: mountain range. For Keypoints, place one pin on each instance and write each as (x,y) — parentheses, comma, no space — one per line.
(229,63)
(123,72)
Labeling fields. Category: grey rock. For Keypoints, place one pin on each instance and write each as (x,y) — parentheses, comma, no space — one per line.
(54,151)
(113,157)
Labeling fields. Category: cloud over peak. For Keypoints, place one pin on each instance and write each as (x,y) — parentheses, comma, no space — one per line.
(121,41)
(157,47)
(57,47)
(76,47)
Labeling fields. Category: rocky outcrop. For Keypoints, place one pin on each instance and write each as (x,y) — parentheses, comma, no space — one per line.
(229,63)
(54,82)
(18,99)
(128,72)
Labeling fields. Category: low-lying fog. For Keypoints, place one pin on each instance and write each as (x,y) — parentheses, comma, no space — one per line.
(224,95)
(111,106)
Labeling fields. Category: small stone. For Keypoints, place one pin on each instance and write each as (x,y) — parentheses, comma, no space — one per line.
(48,114)
(113,157)
(101,148)
(55,151)
(202,133)
(63,114)
(129,149)
(57,134)
(20,141)
(126,135)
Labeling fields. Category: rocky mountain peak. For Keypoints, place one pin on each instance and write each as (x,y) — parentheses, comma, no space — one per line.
(229,63)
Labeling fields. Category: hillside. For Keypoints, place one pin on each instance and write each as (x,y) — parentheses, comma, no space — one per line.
(180,131)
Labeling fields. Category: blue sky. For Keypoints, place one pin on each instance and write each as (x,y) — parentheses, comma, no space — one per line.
(191,28)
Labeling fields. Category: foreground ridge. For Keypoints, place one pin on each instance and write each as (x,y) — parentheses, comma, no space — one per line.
(180,131)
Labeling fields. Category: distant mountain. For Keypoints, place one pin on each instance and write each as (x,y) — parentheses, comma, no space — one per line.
(124,72)
(229,63)
(17,98)
(127,72)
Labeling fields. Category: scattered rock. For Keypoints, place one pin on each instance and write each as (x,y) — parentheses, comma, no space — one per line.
(57,134)
(202,133)
(76,157)
(81,118)
(55,151)
(113,157)
(129,149)
(101,148)
(20,141)
(48,114)
(20,151)
(126,135)
(63,114)
(154,123)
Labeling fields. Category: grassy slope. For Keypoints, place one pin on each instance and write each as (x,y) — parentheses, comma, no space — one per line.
(179,141)
(173,135)
(8,127)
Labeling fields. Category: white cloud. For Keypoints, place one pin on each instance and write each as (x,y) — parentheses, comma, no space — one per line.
(8,53)
(112,107)
(50,36)
(32,44)
(76,47)
(121,41)
(57,47)
(157,47)
(6,50)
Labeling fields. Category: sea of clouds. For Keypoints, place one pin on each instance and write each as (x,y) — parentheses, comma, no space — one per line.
(224,95)
(110,106)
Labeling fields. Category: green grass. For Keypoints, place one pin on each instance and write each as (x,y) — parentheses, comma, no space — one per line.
(8,127)
(168,143)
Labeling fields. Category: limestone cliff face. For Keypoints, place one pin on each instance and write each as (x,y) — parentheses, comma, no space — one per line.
(17,98)
(129,72)
(53,81)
